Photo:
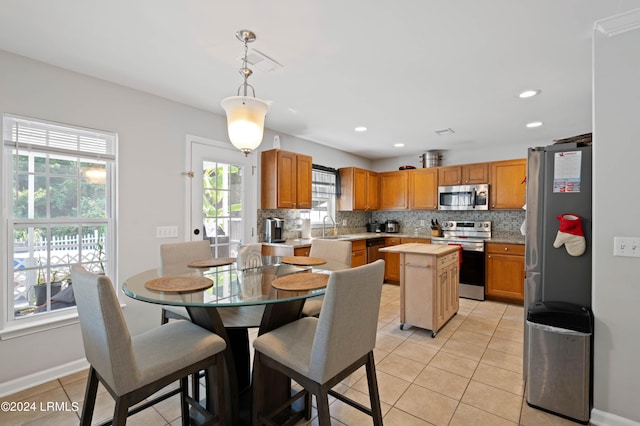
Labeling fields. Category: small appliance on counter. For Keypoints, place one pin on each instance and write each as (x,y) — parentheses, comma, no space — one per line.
(274,230)
(392,226)
(375,227)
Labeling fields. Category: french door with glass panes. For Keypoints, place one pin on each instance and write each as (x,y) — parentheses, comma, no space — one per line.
(222,196)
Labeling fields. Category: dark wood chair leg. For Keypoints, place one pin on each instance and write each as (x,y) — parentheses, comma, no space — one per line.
(374,396)
(322,401)
(221,409)
(89,398)
(184,407)
(308,405)
(120,412)
(258,403)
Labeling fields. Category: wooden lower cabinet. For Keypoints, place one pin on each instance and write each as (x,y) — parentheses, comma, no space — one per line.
(428,290)
(301,251)
(358,253)
(392,260)
(505,271)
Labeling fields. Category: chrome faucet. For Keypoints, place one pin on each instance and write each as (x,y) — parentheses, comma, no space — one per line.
(324,222)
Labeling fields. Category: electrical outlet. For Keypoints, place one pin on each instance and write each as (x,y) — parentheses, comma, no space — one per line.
(626,246)
(422,222)
(166,231)
(344,222)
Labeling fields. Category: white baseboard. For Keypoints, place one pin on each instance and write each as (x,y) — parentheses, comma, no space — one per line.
(35,379)
(602,418)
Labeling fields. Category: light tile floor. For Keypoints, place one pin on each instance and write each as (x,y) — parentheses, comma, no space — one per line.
(469,374)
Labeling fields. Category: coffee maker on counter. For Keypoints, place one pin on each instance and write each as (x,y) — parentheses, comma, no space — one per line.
(274,230)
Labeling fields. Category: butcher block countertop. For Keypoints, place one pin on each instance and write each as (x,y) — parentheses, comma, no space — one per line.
(417,248)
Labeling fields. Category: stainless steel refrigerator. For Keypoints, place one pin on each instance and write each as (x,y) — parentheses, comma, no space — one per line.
(559,181)
(551,273)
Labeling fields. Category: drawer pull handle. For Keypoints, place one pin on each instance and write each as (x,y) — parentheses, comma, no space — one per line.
(413,265)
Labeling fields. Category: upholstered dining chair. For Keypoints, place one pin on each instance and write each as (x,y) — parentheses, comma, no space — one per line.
(337,253)
(318,353)
(133,368)
(249,256)
(174,258)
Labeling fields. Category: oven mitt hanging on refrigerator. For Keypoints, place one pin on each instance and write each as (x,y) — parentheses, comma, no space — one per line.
(570,234)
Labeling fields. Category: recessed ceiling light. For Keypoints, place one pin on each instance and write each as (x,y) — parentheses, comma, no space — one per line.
(360,129)
(534,124)
(529,93)
(398,145)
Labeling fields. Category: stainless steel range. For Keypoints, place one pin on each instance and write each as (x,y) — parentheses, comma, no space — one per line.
(471,236)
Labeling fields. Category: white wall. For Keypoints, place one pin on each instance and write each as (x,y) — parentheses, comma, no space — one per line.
(616,207)
(151,155)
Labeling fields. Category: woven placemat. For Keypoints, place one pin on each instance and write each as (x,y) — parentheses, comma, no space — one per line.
(303,260)
(301,281)
(210,263)
(182,283)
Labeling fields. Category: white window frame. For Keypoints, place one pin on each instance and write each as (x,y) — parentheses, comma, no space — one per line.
(77,142)
(317,216)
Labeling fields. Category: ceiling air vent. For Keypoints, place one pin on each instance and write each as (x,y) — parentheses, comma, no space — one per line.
(262,62)
(443,132)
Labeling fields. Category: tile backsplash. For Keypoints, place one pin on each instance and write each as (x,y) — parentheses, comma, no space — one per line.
(503,221)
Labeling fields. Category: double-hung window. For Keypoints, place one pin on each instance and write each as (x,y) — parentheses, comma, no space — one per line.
(59,195)
(323,191)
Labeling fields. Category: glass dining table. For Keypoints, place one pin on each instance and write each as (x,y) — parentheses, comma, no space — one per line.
(236,301)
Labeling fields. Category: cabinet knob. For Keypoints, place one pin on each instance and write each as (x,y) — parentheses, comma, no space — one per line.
(506,249)
(489,256)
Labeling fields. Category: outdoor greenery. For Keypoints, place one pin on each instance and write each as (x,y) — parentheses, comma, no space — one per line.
(56,185)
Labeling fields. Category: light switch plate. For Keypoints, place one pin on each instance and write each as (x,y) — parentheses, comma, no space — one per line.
(166,231)
(626,246)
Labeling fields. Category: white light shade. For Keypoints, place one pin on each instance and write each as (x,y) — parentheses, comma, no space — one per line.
(245,121)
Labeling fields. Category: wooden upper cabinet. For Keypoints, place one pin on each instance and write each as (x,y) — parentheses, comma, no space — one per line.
(466,174)
(373,191)
(508,188)
(303,178)
(423,189)
(285,181)
(394,190)
(451,175)
(475,173)
(358,189)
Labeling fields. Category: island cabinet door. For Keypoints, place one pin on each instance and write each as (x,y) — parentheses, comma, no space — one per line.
(417,290)
(447,289)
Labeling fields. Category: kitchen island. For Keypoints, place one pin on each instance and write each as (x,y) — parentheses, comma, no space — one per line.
(429,276)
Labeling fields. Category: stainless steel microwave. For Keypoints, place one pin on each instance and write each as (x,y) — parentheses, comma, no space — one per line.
(463,197)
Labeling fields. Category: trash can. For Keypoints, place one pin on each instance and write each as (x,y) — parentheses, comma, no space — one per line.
(560,352)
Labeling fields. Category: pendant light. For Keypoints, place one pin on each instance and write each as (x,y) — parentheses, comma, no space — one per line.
(245,114)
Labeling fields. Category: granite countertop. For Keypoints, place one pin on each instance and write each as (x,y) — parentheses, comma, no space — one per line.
(498,237)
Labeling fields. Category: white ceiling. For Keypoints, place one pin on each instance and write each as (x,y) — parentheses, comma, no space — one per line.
(403,69)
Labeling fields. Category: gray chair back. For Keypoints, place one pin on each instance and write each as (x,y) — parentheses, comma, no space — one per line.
(348,321)
(174,257)
(249,256)
(106,338)
(337,253)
